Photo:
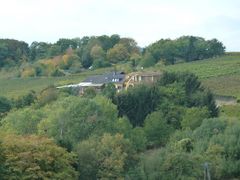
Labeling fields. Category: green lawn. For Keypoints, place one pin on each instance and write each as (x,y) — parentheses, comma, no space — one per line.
(232,111)
(19,86)
(14,87)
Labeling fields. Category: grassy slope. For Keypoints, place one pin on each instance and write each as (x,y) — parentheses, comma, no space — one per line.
(14,87)
(221,75)
(19,86)
(210,68)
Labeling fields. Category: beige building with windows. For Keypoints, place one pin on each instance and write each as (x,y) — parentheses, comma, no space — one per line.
(135,78)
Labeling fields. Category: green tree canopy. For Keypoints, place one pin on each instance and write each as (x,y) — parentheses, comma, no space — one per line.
(5,105)
(73,119)
(157,130)
(22,121)
(187,48)
(104,158)
(193,117)
(118,53)
(137,103)
(13,52)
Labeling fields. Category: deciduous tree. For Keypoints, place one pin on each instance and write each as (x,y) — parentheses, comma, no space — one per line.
(33,157)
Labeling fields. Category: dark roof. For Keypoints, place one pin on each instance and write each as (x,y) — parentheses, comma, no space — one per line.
(113,77)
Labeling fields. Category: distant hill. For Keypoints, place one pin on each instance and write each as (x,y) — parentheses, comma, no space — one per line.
(26,67)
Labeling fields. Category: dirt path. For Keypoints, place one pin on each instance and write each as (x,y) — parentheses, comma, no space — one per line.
(225,100)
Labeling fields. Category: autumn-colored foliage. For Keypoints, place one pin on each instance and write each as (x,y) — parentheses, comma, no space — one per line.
(34,157)
(28,72)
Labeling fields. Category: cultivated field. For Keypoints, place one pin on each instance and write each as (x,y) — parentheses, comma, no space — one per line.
(209,68)
(221,75)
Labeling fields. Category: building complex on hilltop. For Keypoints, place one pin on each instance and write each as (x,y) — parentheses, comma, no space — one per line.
(119,79)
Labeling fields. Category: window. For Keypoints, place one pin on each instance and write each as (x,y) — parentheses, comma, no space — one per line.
(115,80)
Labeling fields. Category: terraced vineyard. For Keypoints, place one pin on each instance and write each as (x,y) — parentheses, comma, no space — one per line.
(221,75)
(209,68)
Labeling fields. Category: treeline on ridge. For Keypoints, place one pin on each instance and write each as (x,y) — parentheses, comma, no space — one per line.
(73,55)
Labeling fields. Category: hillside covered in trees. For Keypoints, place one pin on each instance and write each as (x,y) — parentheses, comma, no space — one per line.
(171,129)
(69,56)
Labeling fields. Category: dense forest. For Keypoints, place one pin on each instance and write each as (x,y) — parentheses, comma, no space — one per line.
(171,129)
(168,130)
(75,55)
